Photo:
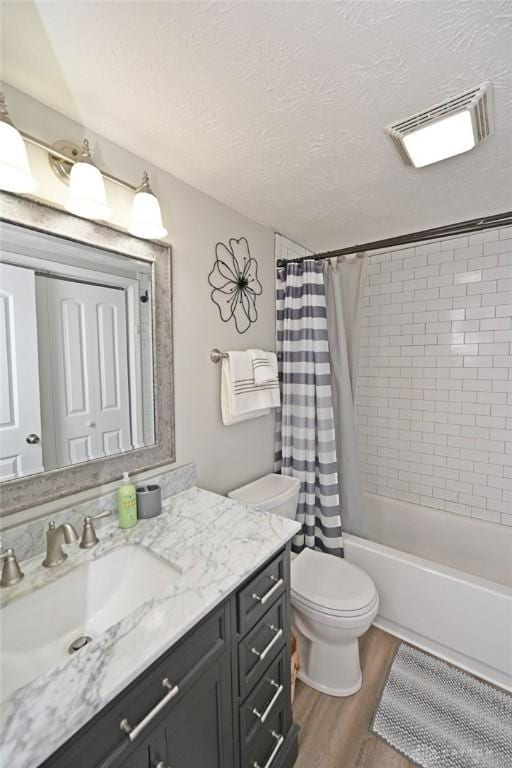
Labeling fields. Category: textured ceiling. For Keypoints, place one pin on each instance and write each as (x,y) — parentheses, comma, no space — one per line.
(278,108)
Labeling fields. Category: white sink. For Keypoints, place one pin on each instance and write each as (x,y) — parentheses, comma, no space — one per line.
(37,629)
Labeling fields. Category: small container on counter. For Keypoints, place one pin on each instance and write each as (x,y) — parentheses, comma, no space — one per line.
(149,501)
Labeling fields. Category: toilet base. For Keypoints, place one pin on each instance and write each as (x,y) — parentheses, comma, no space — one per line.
(339,692)
(333,669)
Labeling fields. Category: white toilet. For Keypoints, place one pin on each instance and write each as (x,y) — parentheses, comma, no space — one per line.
(334,602)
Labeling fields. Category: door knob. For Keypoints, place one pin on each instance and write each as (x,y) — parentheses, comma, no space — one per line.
(33,439)
(93,424)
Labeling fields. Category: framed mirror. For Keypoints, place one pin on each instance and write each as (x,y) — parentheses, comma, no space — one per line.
(86,367)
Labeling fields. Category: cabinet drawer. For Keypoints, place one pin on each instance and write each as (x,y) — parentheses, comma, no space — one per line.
(267,697)
(254,599)
(260,645)
(103,741)
(265,750)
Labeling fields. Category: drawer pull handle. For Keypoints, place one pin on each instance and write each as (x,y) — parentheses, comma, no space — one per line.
(280,740)
(271,591)
(270,705)
(173,690)
(263,653)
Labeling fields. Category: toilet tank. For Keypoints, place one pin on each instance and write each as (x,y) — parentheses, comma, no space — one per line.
(276,493)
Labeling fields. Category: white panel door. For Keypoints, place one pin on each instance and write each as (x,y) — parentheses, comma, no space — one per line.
(20,416)
(89,370)
(113,394)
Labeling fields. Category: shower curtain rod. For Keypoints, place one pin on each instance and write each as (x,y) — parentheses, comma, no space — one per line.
(460,228)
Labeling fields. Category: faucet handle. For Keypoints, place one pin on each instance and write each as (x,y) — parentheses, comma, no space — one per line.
(99,515)
(89,538)
(11,571)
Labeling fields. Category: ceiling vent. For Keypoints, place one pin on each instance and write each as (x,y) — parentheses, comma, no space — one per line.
(450,128)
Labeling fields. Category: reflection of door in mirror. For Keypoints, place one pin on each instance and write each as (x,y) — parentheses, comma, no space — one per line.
(76,353)
(20,417)
(84,371)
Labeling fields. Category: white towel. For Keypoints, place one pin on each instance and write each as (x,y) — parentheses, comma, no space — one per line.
(264,365)
(227,400)
(247,395)
(241,399)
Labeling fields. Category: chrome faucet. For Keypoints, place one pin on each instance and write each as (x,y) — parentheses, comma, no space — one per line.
(55,538)
(11,571)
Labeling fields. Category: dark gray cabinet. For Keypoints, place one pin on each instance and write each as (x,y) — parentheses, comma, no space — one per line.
(219,698)
(198,732)
(139,758)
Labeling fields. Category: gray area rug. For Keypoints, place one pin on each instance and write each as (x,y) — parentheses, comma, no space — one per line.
(441,717)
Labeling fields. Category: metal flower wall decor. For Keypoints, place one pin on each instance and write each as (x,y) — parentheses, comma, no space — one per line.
(235,284)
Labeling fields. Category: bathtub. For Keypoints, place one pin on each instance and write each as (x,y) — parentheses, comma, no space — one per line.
(445,583)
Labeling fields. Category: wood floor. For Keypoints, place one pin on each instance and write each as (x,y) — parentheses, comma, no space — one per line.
(334,731)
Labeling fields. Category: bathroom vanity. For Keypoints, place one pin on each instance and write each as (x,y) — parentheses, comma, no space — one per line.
(220,698)
(197,675)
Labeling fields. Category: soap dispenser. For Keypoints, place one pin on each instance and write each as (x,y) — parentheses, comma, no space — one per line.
(127,503)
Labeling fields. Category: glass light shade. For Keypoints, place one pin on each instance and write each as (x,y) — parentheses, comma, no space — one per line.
(146,216)
(86,195)
(437,141)
(15,173)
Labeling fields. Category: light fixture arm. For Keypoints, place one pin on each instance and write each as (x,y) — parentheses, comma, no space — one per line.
(75,166)
(144,185)
(86,156)
(66,158)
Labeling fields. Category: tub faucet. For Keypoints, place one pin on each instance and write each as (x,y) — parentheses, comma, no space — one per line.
(55,538)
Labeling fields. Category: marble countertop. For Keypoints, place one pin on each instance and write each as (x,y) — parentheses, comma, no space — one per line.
(214,541)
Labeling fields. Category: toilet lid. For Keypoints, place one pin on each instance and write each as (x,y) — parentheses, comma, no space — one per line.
(331,584)
(300,603)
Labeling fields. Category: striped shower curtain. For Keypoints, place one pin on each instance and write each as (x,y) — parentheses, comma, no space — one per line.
(305,436)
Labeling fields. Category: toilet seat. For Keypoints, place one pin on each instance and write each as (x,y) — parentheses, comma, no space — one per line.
(302,604)
(331,586)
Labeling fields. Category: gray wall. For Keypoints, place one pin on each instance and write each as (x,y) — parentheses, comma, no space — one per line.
(225,456)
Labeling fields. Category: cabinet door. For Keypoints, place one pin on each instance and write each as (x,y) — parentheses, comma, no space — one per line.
(158,748)
(139,758)
(199,729)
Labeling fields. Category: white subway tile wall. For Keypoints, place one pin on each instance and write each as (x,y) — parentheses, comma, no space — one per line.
(434,393)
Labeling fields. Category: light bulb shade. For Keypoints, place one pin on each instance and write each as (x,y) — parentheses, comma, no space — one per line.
(15,173)
(86,195)
(146,216)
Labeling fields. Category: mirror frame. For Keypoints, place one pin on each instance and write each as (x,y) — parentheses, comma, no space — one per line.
(25,492)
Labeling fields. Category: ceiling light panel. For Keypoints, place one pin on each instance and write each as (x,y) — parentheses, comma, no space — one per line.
(447,129)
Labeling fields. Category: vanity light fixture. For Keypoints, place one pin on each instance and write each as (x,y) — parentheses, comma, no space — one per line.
(15,175)
(146,215)
(447,129)
(86,195)
(74,165)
